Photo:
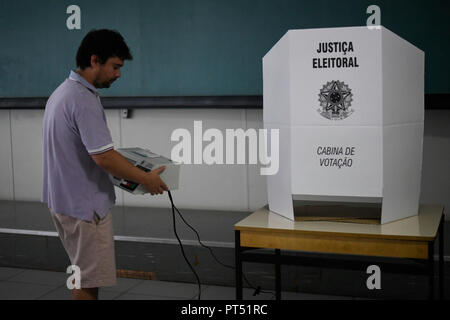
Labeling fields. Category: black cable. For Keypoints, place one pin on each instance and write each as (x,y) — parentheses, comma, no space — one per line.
(257,289)
(182,249)
(201,243)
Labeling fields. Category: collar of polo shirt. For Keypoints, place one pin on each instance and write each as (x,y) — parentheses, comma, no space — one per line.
(76,77)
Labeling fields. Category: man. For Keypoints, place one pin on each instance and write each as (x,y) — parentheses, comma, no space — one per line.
(78,154)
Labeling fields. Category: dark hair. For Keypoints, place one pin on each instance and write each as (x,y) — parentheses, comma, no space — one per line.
(105,44)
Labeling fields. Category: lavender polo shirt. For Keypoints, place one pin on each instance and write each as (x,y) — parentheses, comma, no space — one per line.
(74,128)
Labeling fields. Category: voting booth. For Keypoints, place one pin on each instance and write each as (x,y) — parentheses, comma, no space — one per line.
(349,107)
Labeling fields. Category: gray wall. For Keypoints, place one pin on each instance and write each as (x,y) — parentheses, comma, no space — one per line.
(215,187)
(436,159)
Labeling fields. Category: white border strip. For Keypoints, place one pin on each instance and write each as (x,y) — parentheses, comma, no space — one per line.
(215,244)
(30,232)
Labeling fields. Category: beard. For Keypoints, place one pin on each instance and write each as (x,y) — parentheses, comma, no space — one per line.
(105,84)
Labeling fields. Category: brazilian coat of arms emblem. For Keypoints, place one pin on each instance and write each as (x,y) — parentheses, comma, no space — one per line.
(335,99)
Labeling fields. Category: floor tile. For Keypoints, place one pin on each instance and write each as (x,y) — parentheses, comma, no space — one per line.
(41,277)
(6,273)
(229,293)
(218,293)
(134,296)
(166,289)
(108,295)
(16,283)
(22,291)
(62,293)
(123,285)
(309,296)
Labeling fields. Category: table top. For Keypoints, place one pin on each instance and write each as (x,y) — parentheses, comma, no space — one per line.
(422,227)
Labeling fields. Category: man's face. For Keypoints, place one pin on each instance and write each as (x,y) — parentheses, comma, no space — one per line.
(108,72)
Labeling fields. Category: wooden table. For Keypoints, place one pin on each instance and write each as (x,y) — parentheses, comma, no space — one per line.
(409,238)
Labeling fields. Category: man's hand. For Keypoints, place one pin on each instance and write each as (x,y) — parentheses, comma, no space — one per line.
(153,183)
(114,163)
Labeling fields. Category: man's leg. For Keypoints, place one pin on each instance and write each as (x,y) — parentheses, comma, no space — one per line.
(85,294)
(90,246)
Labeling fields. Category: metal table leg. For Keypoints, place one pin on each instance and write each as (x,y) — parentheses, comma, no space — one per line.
(441,259)
(277,274)
(431,270)
(238,262)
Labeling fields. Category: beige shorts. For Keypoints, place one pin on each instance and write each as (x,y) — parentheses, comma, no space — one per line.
(90,246)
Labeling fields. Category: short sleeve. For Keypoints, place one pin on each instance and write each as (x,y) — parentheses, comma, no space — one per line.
(93,129)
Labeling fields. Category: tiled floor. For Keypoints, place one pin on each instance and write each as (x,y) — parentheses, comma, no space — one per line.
(25,284)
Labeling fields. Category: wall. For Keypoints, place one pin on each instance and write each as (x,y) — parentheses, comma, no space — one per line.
(228,187)
(215,187)
(196,47)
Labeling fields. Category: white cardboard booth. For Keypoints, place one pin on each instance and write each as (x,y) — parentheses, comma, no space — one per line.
(349,106)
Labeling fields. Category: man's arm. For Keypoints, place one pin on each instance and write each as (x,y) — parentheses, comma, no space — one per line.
(117,165)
